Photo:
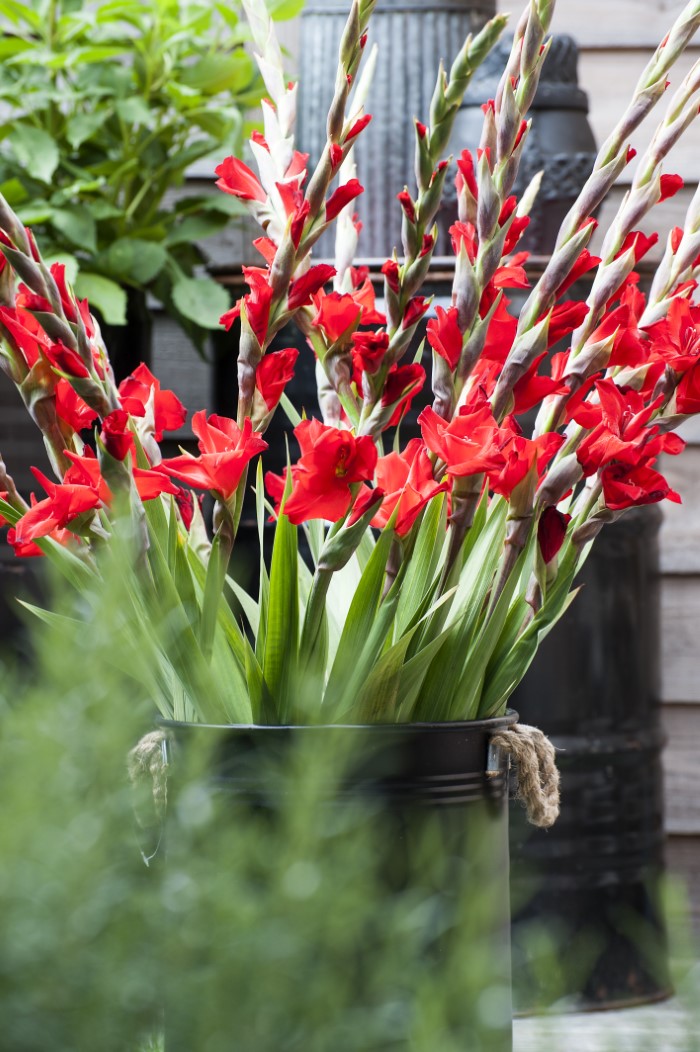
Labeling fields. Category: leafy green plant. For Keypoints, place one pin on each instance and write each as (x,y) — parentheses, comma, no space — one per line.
(105,107)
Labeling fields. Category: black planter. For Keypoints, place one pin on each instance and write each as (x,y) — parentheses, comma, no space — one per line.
(590,886)
(426,805)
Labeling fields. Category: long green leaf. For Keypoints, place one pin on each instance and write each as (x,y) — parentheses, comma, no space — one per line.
(282,629)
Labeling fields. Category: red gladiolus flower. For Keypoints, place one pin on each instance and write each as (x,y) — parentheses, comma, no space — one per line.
(303,288)
(65,502)
(297,165)
(66,361)
(676,339)
(467,173)
(71,407)
(565,317)
(407,481)
(390,270)
(521,456)
(336,155)
(628,346)
(369,350)
(515,232)
(151,483)
(116,436)
(225,448)
(469,444)
(336,313)
(551,531)
(629,487)
(237,179)
(532,388)
(670,185)
(332,460)
(342,196)
(688,393)
(85,471)
(583,264)
(274,373)
(296,227)
(500,335)
(639,243)
(403,383)
(185,500)
(444,335)
(406,202)
(256,302)
(464,234)
(414,311)
(135,392)
(363,295)
(267,248)
(26,332)
(359,125)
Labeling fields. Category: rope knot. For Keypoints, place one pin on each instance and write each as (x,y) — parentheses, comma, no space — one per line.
(538,777)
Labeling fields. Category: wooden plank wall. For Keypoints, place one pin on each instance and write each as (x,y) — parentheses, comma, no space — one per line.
(616,40)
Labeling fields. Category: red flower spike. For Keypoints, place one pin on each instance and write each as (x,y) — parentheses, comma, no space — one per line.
(363,295)
(332,460)
(257,302)
(670,185)
(336,155)
(151,483)
(465,165)
(342,196)
(71,407)
(445,336)
(639,243)
(406,202)
(291,196)
(631,487)
(302,289)
(267,248)
(415,310)
(169,414)
(523,455)
(531,388)
(390,270)
(464,234)
(407,481)
(230,316)
(297,165)
(359,126)
(64,503)
(225,449)
(237,179)
(274,373)
(25,331)
(403,383)
(296,227)
(565,317)
(258,138)
(336,313)
(369,350)
(551,532)
(66,361)
(585,262)
(185,500)
(469,444)
(116,436)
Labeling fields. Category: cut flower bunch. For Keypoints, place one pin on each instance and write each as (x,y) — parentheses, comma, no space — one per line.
(437,564)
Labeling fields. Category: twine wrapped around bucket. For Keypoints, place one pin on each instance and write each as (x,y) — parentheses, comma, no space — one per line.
(538,777)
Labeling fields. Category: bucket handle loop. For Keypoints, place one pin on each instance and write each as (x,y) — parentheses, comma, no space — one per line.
(538,777)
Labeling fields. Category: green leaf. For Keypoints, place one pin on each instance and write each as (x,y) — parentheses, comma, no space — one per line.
(136,260)
(136,111)
(423,563)
(282,10)
(82,126)
(77,224)
(35,150)
(18,13)
(104,294)
(360,620)
(282,631)
(215,73)
(10,46)
(195,228)
(202,300)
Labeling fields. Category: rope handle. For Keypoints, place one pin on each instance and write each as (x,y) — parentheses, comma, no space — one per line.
(538,776)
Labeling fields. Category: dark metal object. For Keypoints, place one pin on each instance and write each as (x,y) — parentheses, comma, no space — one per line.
(129,345)
(590,886)
(412,39)
(428,805)
(560,142)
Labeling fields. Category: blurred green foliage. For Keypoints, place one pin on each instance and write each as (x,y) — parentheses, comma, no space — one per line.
(104,107)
